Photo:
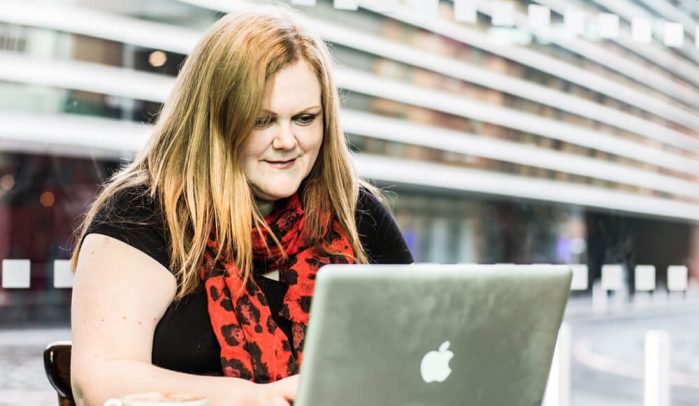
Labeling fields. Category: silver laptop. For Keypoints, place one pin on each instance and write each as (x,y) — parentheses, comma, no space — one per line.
(433,335)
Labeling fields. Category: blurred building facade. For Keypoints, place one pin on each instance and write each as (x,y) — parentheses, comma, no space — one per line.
(504,139)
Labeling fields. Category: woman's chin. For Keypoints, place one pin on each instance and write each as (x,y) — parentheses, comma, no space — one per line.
(273,194)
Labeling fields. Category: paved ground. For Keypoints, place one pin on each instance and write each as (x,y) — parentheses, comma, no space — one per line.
(607,355)
(22,378)
(608,358)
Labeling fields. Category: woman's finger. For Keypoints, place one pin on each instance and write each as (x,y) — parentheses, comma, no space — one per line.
(287,387)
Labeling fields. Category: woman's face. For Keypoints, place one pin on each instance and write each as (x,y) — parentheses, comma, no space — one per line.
(288,133)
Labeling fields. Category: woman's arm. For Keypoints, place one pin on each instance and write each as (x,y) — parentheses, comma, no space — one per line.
(119,296)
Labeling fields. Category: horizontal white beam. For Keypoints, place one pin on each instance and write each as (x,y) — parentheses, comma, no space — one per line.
(438,176)
(101,25)
(89,77)
(98,24)
(155,87)
(544,63)
(127,137)
(504,83)
(660,56)
(114,138)
(373,85)
(368,43)
(598,54)
(665,85)
(77,135)
(396,130)
(672,13)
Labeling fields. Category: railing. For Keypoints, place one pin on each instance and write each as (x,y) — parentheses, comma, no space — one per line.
(657,343)
(657,373)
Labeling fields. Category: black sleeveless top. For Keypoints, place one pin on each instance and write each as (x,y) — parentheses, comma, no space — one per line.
(184,340)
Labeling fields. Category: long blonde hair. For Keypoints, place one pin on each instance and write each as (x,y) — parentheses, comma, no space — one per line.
(191,165)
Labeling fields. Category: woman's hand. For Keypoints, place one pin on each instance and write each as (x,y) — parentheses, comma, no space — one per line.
(279,393)
(239,392)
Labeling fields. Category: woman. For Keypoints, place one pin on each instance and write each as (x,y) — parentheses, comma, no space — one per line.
(199,258)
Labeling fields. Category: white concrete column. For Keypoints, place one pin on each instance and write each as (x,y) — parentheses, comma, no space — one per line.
(677,278)
(465,11)
(579,280)
(346,5)
(16,273)
(657,369)
(62,274)
(558,386)
(439,250)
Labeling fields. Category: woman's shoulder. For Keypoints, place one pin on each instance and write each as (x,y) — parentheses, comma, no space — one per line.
(372,209)
(369,203)
(379,233)
(130,205)
(133,216)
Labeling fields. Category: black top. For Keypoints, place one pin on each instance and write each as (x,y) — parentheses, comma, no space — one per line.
(184,339)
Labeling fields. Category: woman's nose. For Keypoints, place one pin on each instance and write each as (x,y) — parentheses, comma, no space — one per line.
(284,138)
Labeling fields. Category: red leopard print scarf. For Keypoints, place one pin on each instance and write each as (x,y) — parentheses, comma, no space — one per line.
(253,347)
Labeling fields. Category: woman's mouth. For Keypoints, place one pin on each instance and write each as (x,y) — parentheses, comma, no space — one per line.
(282,164)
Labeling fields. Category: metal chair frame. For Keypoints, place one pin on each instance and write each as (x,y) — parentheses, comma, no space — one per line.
(57,367)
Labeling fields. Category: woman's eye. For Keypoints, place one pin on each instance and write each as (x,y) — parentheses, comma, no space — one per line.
(263,122)
(306,119)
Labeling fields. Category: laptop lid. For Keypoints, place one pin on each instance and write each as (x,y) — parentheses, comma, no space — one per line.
(425,334)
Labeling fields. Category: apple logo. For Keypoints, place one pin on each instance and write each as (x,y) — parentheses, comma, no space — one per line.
(435,364)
